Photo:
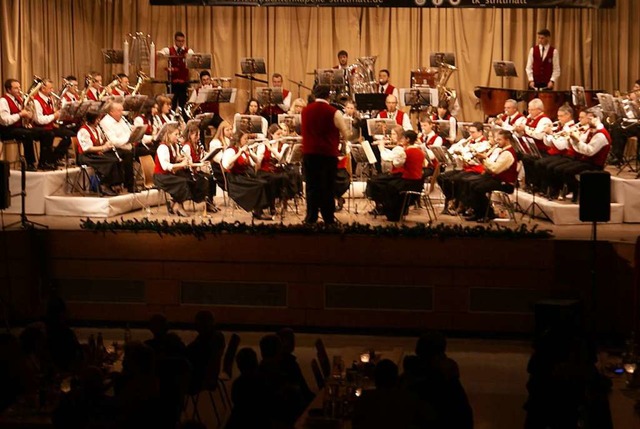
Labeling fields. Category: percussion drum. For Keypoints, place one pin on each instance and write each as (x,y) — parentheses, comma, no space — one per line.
(492,99)
(552,100)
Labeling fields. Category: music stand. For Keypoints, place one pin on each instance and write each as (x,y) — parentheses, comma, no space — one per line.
(418,98)
(269,96)
(216,95)
(436,59)
(112,56)
(198,61)
(505,68)
(251,124)
(134,103)
(371,102)
(534,152)
(331,77)
(380,126)
(578,97)
(250,65)
(294,154)
(291,121)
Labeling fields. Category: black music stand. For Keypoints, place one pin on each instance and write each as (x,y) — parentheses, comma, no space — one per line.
(520,153)
(505,68)
(365,160)
(293,121)
(268,98)
(251,124)
(251,66)
(216,95)
(535,153)
(418,98)
(371,102)
(436,59)
(24,221)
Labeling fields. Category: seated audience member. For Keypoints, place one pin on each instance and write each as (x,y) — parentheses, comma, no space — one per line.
(249,394)
(205,352)
(64,349)
(164,343)
(289,365)
(386,406)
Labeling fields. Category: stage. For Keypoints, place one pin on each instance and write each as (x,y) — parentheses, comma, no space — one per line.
(316,279)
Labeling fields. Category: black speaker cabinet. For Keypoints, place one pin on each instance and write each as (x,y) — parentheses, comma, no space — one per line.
(5,195)
(595,196)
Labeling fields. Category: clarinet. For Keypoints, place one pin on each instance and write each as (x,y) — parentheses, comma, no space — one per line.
(114,148)
(180,146)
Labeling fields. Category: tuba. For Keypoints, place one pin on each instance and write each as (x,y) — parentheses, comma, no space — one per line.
(362,76)
(444,93)
(27,101)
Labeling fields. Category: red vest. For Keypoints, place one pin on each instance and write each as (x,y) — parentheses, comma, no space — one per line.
(91,95)
(94,138)
(13,109)
(389,89)
(266,164)
(319,134)
(508,120)
(47,109)
(179,72)
(195,157)
(399,116)
(275,109)
(533,122)
(149,130)
(157,169)
(69,97)
(542,70)
(242,163)
(119,92)
(413,164)
(342,163)
(599,158)
(510,175)
(433,139)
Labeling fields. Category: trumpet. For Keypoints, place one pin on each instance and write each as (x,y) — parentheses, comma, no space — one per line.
(141,78)
(108,88)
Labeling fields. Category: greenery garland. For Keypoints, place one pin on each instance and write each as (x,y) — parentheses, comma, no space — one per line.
(201,230)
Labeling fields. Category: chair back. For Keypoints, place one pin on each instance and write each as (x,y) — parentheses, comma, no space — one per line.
(230,355)
(317,374)
(323,358)
(148,165)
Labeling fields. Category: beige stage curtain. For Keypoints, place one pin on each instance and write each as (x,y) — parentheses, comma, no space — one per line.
(53,38)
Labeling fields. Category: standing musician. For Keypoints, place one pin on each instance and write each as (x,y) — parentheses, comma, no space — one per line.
(543,63)
(117,132)
(95,86)
(122,88)
(13,116)
(392,112)
(148,145)
(533,131)
(170,171)
(271,112)
(178,73)
(500,174)
(96,152)
(322,125)
(45,117)
(343,177)
(201,183)
(343,60)
(385,87)
(245,188)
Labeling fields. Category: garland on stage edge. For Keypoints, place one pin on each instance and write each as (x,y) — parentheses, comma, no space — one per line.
(201,230)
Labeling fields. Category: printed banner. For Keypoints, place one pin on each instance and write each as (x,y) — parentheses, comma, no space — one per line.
(523,4)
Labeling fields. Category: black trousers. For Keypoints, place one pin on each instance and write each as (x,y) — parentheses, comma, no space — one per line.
(320,175)
(179,91)
(26,136)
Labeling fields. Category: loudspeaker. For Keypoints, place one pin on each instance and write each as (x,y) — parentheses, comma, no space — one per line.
(595,196)
(5,194)
(564,315)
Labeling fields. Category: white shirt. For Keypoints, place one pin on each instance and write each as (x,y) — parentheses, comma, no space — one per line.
(286,102)
(217,144)
(511,123)
(538,132)
(437,142)
(397,156)
(164,156)
(499,160)
(84,138)
(6,117)
(598,141)
(146,139)
(228,158)
(383,88)
(560,142)
(117,133)
(555,74)
(40,118)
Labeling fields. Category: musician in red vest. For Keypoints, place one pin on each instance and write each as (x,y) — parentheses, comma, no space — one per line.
(322,125)
(95,151)
(511,116)
(543,64)
(170,172)
(95,86)
(392,112)
(592,149)
(206,107)
(531,133)
(271,112)
(45,118)
(178,73)
(122,88)
(12,114)
(500,174)
(384,86)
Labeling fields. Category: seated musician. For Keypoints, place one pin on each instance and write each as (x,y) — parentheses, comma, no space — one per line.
(45,117)
(591,147)
(448,133)
(171,172)
(221,140)
(343,177)
(12,115)
(164,113)
(148,145)
(271,112)
(207,106)
(500,173)
(620,135)
(253,108)
(122,88)
(451,181)
(204,186)
(557,140)
(95,151)
(410,178)
(511,116)
(428,136)
(244,187)
(396,157)
(71,90)
(117,132)
(533,132)
(392,112)
(95,86)
(297,106)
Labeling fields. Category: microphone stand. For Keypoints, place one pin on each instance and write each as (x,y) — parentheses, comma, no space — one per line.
(300,85)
